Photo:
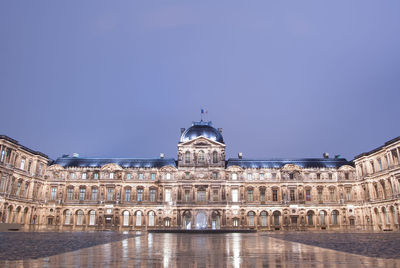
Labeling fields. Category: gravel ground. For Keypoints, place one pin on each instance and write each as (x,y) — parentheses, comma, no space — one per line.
(27,245)
(381,245)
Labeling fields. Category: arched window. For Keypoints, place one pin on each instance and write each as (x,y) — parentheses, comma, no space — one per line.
(187,157)
(335,217)
(322,217)
(79,219)
(251,218)
(378,216)
(200,158)
(385,212)
(139,218)
(276,217)
(151,218)
(67,217)
(215,157)
(125,218)
(310,218)
(92,217)
(263,218)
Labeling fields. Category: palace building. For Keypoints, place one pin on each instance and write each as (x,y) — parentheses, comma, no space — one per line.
(201,189)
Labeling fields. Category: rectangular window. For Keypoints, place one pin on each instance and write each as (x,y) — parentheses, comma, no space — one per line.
(72,175)
(152,195)
(249,176)
(128,176)
(94,194)
(40,169)
(29,165)
(140,195)
(274,195)
(332,193)
(96,176)
(291,176)
(201,196)
(127,195)
(22,164)
(346,176)
(153,176)
(250,195)
(320,195)
(70,194)
(234,176)
(187,175)
(140,176)
(215,195)
(215,175)
(84,176)
(235,195)
(262,195)
(110,193)
(168,176)
(330,176)
(308,195)
(187,195)
(112,175)
(2,156)
(167,195)
(292,196)
(380,164)
(82,192)
(261,176)
(53,193)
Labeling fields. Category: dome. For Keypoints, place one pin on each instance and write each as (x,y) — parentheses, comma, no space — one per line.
(201,129)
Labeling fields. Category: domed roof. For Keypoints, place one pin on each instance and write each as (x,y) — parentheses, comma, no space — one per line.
(201,129)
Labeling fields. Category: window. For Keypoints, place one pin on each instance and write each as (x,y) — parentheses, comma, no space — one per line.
(70,193)
(72,176)
(235,195)
(153,176)
(167,195)
(22,166)
(18,188)
(335,217)
(330,176)
(332,194)
(140,195)
(235,222)
(187,195)
(2,156)
(263,218)
(92,217)
(380,164)
(292,196)
(201,196)
(250,195)
(308,195)
(187,175)
(372,166)
(166,222)
(261,176)
(53,193)
(234,176)
(127,195)
(200,158)
(29,165)
(84,176)
(111,176)
(128,176)
(262,195)
(251,218)
(168,176)
(215,157)
(215,195)
(140,176)
(322,217)
(291,176)
(138,218)
(125,218)
(82,192)
(110,193)
(346,176)
(79,219)
(320,195)
(96,176)
(310,217)
(215,175)
(276,218)
(67,219)
(249,176)
(94,194)
(151,218)
(40,168)
(187,157)
(275,195)
(2,183)
(152,195)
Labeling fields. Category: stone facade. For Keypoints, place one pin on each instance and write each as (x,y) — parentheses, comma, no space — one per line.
(201,189)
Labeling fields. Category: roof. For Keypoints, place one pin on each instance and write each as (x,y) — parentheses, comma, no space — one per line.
(4,137)
(204,129)
(278,163)
(123,162)
(378,148)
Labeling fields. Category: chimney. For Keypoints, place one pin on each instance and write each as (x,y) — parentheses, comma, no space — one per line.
(220,130)
(240,155)
(162,155)
(182,130)
(325,155)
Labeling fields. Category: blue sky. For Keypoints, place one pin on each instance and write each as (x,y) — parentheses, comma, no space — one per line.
(120,78)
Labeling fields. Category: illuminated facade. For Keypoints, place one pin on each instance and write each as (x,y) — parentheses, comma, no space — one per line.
(201,189)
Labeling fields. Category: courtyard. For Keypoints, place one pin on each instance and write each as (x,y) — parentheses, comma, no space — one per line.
(110,249)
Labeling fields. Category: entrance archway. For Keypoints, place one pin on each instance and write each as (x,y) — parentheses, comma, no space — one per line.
(201,220)
(187,220)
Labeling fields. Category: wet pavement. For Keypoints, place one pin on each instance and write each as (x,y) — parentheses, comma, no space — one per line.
(206,250)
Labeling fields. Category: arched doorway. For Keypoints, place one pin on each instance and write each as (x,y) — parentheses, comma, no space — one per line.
(201,220)
(215,225)
(187,220)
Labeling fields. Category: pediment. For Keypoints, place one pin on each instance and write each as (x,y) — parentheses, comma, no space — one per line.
(291,167)
(202,141)
(234,169)
(111,167)
(346,168)
(55,167)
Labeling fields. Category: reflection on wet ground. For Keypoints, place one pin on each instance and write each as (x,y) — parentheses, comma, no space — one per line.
(204,250)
